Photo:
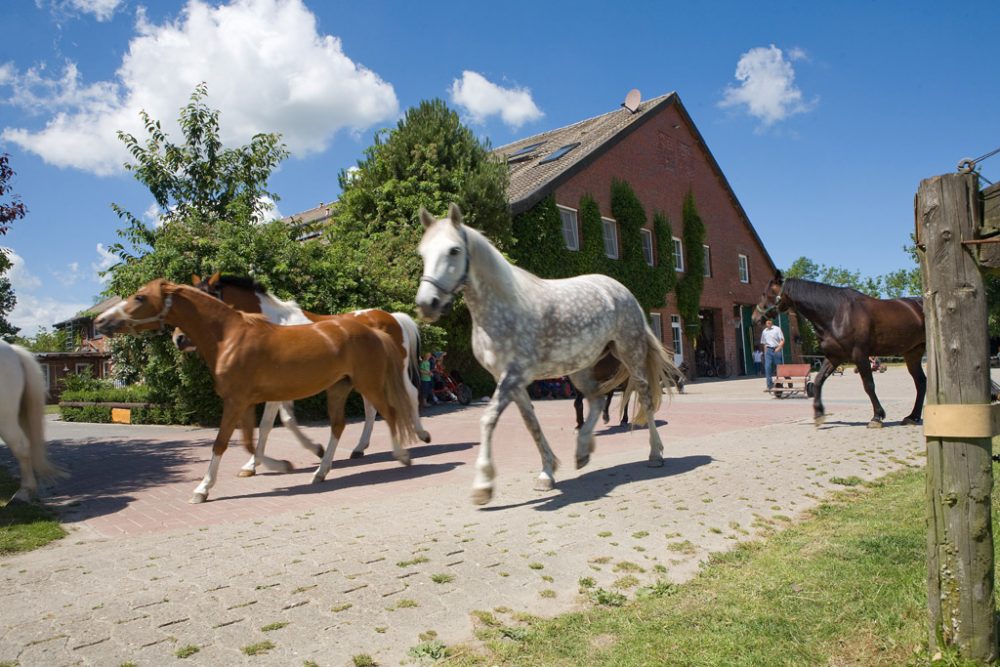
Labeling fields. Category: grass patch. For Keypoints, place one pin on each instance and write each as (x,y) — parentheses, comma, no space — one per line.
(364,660)
(24,527)
(442,578)
(845,586)
(258,648)
(186,651)
(277,625)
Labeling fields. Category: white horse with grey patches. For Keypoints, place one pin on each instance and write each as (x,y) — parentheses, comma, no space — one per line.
(524,328)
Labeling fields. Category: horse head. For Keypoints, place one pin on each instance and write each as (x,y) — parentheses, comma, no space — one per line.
(145,310)
(209,285)
(771,300)
(445,251)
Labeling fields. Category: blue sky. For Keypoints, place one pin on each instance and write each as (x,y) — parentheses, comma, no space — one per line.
(823,116)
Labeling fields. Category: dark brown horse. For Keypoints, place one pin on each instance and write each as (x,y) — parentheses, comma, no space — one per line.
(851,327)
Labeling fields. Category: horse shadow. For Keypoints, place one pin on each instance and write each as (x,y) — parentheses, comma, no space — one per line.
(599,483)
(103,473)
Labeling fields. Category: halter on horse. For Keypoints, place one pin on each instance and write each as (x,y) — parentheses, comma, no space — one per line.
(524,328)
(22,418)
(851,327)
(254,361)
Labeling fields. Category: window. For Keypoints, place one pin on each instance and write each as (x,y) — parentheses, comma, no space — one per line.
(708,261)
(569,228)
(744,269)
(656,321)
(675,331)
(559,152)
(647,245)
(678,254)
(525,151)
(610,237)
(83,368)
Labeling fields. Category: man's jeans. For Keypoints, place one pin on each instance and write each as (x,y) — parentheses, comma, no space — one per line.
(771,359)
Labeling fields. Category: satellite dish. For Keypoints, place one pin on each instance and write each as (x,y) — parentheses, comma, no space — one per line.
(632,100)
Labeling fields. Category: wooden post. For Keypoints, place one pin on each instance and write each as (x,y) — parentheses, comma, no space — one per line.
(959,469)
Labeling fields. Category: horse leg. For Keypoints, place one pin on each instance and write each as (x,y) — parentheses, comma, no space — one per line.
(414,395)
(596,404)
(336,396)
(384,408)
(18,442)
(258,457)
(825,371)
(482,485)
(865,370)
(916,369)
(231,415)
(624,421)
(636,359)
(545,480)
(607,406)
(287,412)
(578,407)
(366,432)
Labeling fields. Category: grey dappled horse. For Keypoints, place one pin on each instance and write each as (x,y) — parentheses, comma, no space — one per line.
(524,328)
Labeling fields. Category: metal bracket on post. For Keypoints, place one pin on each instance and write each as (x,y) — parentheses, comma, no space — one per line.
(978,420)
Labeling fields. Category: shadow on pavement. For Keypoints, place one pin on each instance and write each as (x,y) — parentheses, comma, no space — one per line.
(597,484)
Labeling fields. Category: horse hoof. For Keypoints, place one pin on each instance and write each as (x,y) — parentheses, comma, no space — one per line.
(246,472)
(581,461)
(357,454)
(318,479)
(425,437)
(404,459)
(910,421)
(544,484)
(18,500)
(654,462)
(286,466)
(818,421)
(875,423)
(198,498)
(319,452)
(482,496)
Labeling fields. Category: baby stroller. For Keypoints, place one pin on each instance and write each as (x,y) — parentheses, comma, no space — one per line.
(448,386)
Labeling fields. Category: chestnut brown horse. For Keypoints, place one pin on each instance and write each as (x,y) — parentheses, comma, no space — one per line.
(255,361)
(851,327)
(245,294)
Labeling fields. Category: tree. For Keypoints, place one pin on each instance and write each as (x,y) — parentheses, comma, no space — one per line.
(213,200)
(429,159)
(58,340)
(11,209)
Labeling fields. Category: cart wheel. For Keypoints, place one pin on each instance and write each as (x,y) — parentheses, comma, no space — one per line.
(464,394)
(810,388)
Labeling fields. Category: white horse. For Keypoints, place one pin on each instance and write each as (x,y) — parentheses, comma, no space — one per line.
(22,418)
(246,295)
(524,328)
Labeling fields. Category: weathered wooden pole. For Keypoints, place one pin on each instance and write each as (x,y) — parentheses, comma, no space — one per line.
(958,421)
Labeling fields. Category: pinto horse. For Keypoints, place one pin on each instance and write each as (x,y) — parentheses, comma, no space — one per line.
(247,295)
(255,361)
(524,328)
(22,418)
(852,327)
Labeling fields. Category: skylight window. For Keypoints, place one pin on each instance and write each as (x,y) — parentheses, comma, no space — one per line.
(558,153)
(525,151)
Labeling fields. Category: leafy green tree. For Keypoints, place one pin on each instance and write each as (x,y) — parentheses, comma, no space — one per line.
(11,209)
(213,201)
(689,287)
(57,340)
(429,160)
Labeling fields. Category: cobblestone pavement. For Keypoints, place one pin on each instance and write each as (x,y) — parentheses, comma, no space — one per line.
(380,554)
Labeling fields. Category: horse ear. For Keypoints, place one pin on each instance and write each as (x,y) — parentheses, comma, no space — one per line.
(426,219)
(195,279)
(778,278)
(454,214)
(213,279)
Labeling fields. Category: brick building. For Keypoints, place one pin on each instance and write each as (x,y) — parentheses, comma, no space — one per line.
(655,146)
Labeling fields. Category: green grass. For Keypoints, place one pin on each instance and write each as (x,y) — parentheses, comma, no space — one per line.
(258,648)
(23,527)
(845,587)
(186,651)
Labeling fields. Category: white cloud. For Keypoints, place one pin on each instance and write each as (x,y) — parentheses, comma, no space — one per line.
(767,85)
(102,10)
(267,70)
(32,312)
(482,98)
(105,260)
(69,277)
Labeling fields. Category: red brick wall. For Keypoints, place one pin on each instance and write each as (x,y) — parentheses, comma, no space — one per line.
(662,160)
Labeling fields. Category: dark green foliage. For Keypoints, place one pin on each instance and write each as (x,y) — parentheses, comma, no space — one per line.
(690,286)
(539,245)
(649,284)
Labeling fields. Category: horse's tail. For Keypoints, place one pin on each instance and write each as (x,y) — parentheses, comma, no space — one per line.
(661,374)
(396,394)
(411,341)
(32,415)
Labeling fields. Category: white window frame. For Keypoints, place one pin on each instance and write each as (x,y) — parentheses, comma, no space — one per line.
(609,231)
(678,255)
(744,268)
(80,368)
(647,245)
(656,322)
(574,242)
(676,331)
(708,261)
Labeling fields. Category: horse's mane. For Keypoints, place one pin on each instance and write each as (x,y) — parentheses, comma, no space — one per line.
(819,295)
(243,282)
